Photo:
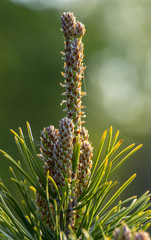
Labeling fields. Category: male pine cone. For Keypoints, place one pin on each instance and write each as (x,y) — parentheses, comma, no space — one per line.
(57,145)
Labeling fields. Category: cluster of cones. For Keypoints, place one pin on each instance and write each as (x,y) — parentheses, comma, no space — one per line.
(58,145)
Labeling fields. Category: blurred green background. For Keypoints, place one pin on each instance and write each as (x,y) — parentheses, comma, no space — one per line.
(117,79)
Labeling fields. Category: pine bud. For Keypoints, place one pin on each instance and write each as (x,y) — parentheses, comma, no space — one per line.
(141,235)
(73,66)
(50,155)
(84,165)
(68,21)
(48,140)
(65,147)
(79,29)
(122,233)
